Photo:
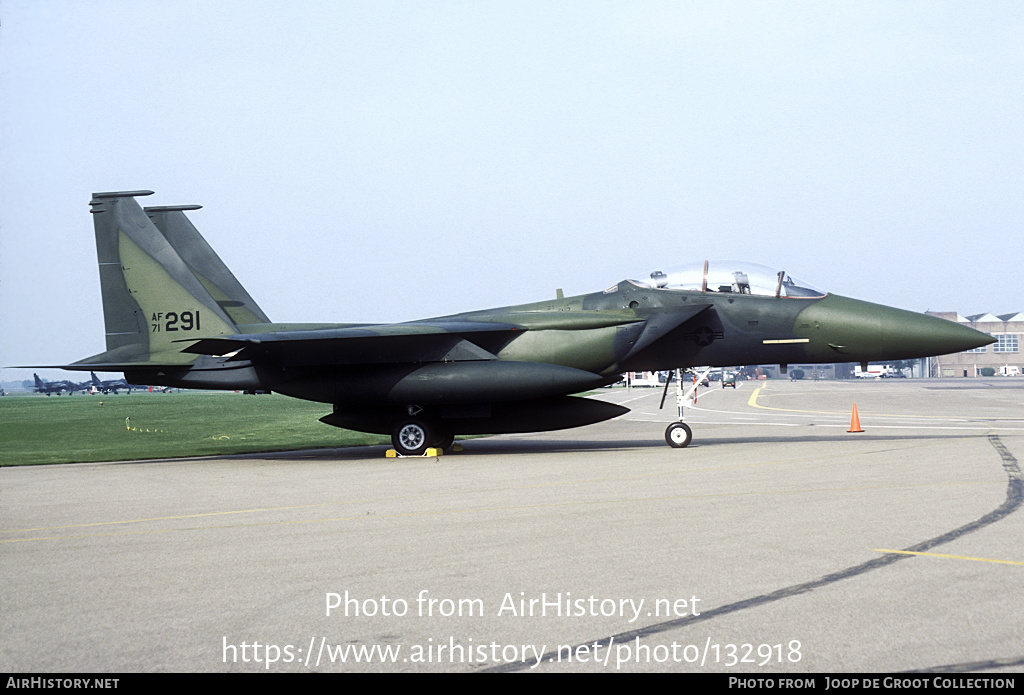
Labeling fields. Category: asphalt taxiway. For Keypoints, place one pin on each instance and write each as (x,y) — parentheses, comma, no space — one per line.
(776,542)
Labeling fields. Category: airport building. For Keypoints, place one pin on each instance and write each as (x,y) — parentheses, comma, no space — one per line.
(1001,358)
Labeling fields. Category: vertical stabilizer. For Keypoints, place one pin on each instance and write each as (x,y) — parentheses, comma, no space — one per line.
(205,264)
(151,299)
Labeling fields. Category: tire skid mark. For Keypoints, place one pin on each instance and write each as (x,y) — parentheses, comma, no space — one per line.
(1013,501)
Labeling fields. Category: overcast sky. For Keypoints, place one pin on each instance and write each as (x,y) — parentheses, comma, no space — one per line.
(388,161)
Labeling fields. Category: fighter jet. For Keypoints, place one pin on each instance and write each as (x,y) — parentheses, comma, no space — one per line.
(176,316)
(51,387)
(109,385)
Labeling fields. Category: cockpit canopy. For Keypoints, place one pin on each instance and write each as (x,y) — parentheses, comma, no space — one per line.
(736,277)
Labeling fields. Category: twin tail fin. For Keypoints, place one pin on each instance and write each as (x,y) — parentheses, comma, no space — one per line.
(162,285)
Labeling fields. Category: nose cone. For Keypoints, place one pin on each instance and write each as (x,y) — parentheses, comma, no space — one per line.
(854,331)
(918,335)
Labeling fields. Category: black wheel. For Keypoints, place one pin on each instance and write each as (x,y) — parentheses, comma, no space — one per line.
(678,435)
(444,441)
(411,438)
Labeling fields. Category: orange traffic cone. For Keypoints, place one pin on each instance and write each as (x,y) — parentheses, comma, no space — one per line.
(855,421)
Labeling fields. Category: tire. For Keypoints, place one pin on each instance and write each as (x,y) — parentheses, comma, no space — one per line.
(411,438)
(444,441)
(678,435)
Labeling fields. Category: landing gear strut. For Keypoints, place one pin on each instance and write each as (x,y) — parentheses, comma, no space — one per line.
(679,434)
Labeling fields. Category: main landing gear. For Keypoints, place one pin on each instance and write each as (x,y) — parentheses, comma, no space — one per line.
(414,436)
(411,438)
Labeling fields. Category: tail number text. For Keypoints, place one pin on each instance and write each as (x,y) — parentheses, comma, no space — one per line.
(173,321)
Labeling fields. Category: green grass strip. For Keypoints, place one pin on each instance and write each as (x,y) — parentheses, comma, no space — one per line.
(68,429)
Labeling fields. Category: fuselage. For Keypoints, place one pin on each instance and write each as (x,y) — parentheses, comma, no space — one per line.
(571,344)
(730,330)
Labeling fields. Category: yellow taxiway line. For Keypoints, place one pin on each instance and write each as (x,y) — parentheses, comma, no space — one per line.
(951,557)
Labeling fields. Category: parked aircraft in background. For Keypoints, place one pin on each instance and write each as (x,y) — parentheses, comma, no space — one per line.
(176,316)
(52,387)
(109,386)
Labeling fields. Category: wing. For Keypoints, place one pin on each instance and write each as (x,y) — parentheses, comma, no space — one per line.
(442,341)
(437,340)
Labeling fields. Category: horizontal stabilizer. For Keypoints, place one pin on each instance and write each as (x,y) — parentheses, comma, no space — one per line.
(120,359)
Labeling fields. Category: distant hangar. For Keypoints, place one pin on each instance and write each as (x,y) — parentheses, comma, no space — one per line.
(1003,356)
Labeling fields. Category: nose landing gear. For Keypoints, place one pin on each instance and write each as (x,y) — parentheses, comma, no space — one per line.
(679,434)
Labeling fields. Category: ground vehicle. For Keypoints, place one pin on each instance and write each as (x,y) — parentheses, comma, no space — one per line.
(873,371)
(729,380)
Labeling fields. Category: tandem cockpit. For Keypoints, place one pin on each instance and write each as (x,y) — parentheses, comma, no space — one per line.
(730,277)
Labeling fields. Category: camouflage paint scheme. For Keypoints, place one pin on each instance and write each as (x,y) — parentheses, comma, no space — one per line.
(176,316)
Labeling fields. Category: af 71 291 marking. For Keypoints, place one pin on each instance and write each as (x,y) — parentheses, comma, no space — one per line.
(171,321)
